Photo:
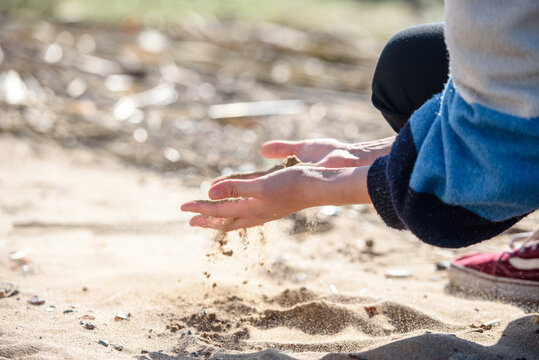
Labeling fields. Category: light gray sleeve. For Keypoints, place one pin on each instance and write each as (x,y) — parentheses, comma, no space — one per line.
(494,53)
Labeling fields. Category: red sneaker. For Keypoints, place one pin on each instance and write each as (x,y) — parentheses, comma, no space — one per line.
(510,275)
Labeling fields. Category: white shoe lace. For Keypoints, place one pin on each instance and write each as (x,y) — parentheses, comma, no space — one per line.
(526,239)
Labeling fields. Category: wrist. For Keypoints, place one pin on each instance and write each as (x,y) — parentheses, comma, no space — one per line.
(344,186)
(371,150)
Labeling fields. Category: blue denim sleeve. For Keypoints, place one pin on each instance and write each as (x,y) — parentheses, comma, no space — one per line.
(458,173)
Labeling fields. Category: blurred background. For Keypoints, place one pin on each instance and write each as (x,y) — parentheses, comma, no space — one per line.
(193,87)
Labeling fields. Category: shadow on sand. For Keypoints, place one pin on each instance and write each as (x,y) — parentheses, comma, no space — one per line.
(520,340)
(528,307)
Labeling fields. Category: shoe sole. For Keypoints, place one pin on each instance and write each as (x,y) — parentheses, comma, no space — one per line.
(476,282)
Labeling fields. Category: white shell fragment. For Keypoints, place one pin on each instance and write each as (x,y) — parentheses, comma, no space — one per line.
(140,135)
(76,88)
(13,88)
(53,54)
(118,83)
(152,41)
(18,255)
(172,154)
(397,274)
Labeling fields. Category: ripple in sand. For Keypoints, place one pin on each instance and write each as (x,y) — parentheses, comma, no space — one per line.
(314,320)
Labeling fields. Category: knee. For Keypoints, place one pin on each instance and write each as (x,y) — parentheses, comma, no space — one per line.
(411,52)
(412,67)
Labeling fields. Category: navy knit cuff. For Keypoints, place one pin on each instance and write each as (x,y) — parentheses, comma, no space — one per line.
(378,188)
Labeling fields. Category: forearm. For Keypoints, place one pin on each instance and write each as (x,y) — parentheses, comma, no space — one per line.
(243,203)
(344,186)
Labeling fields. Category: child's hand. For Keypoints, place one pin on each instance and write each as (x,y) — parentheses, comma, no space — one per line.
(246,203)
(329,153)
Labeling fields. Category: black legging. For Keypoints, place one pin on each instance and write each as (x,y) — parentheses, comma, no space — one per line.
(413,67)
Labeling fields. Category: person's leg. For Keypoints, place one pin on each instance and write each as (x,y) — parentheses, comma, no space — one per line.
(413,67)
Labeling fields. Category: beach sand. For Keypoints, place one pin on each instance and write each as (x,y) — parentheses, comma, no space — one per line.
(94,237)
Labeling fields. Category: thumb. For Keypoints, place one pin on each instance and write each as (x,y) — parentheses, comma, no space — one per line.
(280,148)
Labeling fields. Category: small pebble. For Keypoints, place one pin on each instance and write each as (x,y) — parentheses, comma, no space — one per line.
(18,255)
(369,244)
(69,311)
(487,325)
(117,347)
(437,278)
(443,265)
(397,274)
(371,310)
(105,343)
(7,290)
(89,325)
(121,316)
(36,300)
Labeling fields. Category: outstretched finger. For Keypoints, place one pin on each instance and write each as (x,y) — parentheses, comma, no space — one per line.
(225,224)
(246,176)
(234,189)
(229,208)
(280,149)
(210,222)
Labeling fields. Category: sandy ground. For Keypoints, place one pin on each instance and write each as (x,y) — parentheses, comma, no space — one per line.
(98,238)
